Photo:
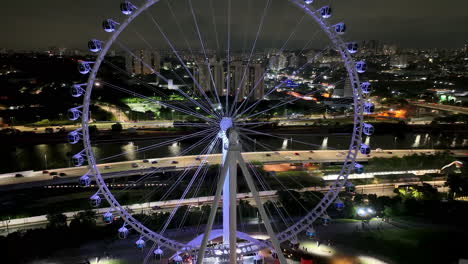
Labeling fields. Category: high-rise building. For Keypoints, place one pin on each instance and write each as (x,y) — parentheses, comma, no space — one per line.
(278,62)
(343,90)
(204,79)
(242,80)
(143,62)
(294,61)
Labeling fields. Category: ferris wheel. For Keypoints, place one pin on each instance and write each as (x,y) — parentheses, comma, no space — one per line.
(225,98)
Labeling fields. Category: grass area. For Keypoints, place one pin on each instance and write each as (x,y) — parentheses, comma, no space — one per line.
(298,179)
(47,122)
(345,220)
(412,245)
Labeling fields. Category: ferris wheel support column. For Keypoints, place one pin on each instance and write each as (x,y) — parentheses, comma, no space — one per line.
(232,196)
(248,178)
(214,209)
(226,219)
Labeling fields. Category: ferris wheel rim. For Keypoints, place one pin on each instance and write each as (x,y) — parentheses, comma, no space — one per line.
(282,236)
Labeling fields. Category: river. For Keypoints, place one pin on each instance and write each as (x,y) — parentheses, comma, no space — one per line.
(49,156)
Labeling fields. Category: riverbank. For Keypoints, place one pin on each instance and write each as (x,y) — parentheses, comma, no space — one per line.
(102,136)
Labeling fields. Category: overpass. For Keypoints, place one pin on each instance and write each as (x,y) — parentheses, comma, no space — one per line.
(126,168)
(150,207)
(441,107)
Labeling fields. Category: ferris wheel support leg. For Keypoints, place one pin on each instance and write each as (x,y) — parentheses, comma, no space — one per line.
(261,209)
(214,208)
(232,207)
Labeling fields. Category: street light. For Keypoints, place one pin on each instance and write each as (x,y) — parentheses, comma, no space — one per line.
(7,222)
(365,212)
(45,159)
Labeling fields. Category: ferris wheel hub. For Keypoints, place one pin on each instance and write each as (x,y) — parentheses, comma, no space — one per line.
(225,124)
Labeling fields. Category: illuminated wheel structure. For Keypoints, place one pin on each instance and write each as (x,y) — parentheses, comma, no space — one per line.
(224,126)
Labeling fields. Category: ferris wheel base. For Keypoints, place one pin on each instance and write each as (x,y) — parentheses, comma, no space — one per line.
(232,160)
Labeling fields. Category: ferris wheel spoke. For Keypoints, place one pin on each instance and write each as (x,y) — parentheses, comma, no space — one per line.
(228,56)
(237,114)
(189,47)
(255,142)
(192,164)
(165,79)
(148,99)
(179,27)
(184,152)
(287,220)
(207,60)
(172,70)
(265,71)
(138,80)
(190,184)
(150,87)
(157,145)
(252,107)
(278,105)
(181,61)
(260,27)
(180,79)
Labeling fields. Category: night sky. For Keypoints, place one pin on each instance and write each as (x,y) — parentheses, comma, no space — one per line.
(35,24)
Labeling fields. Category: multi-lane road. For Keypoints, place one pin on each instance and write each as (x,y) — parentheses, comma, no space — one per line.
(149,207)
(125,168)
(441,107)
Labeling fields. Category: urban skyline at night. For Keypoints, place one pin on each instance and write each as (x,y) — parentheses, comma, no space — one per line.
(234,131)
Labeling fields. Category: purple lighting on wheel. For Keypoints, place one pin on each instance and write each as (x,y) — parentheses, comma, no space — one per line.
(127,8)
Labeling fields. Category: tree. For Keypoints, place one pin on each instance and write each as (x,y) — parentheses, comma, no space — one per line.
(93,130)
(117,127)
(388,211)
(56,220)
(458,184)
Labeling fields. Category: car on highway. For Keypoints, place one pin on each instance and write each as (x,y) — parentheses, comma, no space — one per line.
(154,162)
(53,173)
(297,154)
(55,177)
(175,162)
(19,175)
(145,161)
(311,151)
(45,172)
(62,174)
(197,158)
(134,165)
(268,155)
(107,167)
(389,152)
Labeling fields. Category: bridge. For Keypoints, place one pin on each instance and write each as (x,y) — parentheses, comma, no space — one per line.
(441,107)
(126,168)
(40,221)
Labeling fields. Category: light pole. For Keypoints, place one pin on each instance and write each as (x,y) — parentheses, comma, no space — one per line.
(45,160)
(172,114)
(7,228)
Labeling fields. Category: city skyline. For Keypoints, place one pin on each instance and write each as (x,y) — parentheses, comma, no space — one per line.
(417,24)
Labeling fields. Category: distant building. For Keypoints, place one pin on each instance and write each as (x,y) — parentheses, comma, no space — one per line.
(278,62)
(399,61)
(143,62)
(237,80)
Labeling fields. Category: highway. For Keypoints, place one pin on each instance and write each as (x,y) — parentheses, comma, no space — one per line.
(149,207)
(448,108)
(119,169)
